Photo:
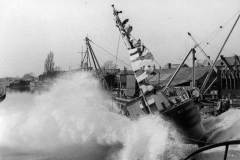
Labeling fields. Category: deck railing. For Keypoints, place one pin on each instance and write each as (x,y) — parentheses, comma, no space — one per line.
(211,146)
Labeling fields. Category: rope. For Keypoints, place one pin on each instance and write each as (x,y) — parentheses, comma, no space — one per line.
(155,60)
(117,49)
(108,52)
(220,28)
(226,50)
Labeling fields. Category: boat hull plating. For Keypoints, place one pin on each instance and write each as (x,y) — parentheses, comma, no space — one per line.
(187,118)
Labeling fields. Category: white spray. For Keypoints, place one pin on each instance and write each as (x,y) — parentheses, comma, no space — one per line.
(76,119)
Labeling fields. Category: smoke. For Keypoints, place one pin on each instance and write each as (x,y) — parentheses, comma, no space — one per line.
(76,119)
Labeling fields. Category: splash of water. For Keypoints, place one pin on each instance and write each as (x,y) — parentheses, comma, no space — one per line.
(225,127)
(76,119)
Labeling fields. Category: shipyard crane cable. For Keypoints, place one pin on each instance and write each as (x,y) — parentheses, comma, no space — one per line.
(213,35)
(215,32)
(118,42)
(108,52)
(226,50)
(221,28)
(156,60)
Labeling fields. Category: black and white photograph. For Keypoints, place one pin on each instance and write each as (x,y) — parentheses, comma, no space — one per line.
(119,79)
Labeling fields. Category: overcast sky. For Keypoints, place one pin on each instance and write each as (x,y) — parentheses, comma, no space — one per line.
(29,29)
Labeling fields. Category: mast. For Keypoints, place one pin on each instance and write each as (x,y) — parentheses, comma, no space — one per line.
(90,57)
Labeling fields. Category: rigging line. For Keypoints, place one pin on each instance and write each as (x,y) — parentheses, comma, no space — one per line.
(213,45)
(213,37)
(108,52)
(233,16)
(150,51)
(155,60)
(226,50)
(134,38)
(117,49)
(157,63)
(213,34)
(145,47)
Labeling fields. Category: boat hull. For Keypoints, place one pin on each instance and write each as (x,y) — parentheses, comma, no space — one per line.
(187,118)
